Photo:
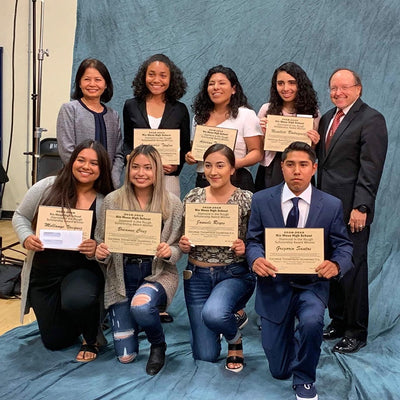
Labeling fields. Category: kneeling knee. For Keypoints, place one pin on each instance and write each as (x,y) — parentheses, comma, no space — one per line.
(280,374)
(127,358)
(140,300)
(212,319)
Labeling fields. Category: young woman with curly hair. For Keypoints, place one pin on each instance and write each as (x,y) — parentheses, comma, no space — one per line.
(222,103)
(158,85)
(291,93)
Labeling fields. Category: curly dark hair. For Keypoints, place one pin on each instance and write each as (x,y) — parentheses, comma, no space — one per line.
(306,101)
(202,105)
(177,86)
(97,64)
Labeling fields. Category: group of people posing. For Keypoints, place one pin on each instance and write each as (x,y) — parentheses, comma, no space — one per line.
(71,291)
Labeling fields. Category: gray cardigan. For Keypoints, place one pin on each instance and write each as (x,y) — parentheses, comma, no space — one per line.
(22,223)
(163,271)
(75,123)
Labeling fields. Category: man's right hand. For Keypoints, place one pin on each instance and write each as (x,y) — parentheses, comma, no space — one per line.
(263,267)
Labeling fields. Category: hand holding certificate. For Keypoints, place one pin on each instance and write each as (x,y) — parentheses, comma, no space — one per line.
(166,141)
(205,136)
(64,229)
(211,224)
(283,130)
(294,250)
(132,232)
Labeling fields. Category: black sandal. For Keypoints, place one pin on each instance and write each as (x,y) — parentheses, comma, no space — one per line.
(234,359)
(89,348)
(166,318)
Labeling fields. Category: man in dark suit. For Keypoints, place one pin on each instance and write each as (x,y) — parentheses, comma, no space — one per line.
(351,155)
(295,349)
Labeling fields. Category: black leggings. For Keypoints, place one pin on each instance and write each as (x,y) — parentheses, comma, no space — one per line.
(66,302)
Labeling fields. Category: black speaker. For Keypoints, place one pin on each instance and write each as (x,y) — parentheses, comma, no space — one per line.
(3,175)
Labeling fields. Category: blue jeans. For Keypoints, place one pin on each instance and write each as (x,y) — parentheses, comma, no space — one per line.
(126,318)
(212,297)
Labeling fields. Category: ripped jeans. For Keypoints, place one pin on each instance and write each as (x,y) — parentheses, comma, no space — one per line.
(126,317)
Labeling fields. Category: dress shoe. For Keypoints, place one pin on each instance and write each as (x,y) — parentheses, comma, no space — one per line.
(156,359)
(349,345)
(332,333)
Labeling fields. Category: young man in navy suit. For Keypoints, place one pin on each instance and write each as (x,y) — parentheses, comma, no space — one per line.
(294,349)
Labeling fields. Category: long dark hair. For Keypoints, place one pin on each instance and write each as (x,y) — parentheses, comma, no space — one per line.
(202,105)
(97,64)
(63,192)
(177,85)
(306,101)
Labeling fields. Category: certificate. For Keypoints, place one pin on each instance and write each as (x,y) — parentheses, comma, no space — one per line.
(63,229)
(212,224)
(205,136)
(166,141)
(295,250)
(132,232)
(281,131)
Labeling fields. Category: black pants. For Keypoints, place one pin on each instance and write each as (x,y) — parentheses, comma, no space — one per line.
(64,292)
(348,299)
(269,176)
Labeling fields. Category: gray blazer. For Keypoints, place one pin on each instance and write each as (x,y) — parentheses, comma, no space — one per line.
(75,123)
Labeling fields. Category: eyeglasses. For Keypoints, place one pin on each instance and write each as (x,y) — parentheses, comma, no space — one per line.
(342,88)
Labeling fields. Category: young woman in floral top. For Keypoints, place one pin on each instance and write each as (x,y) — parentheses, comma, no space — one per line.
(217,280)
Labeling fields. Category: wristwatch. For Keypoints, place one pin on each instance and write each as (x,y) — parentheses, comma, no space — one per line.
(363,208)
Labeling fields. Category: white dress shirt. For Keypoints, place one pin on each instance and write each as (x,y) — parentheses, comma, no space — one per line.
(304,204)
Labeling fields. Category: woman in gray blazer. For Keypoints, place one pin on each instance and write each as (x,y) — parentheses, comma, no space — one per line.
(87,117)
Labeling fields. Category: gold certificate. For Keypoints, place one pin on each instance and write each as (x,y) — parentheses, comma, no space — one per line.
(132,232)
(281,131)
(295,250)
(166,141)
(205,136)
(63,229)
(211,224)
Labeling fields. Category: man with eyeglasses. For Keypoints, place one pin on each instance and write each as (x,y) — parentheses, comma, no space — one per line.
(351,155)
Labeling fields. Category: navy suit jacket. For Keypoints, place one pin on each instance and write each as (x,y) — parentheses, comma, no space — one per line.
(273,294)
(351,169)
(176,116)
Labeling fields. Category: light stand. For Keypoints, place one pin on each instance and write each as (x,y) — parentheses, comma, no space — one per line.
(37,83)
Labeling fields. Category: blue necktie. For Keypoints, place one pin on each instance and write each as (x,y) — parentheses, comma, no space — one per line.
(293,216)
